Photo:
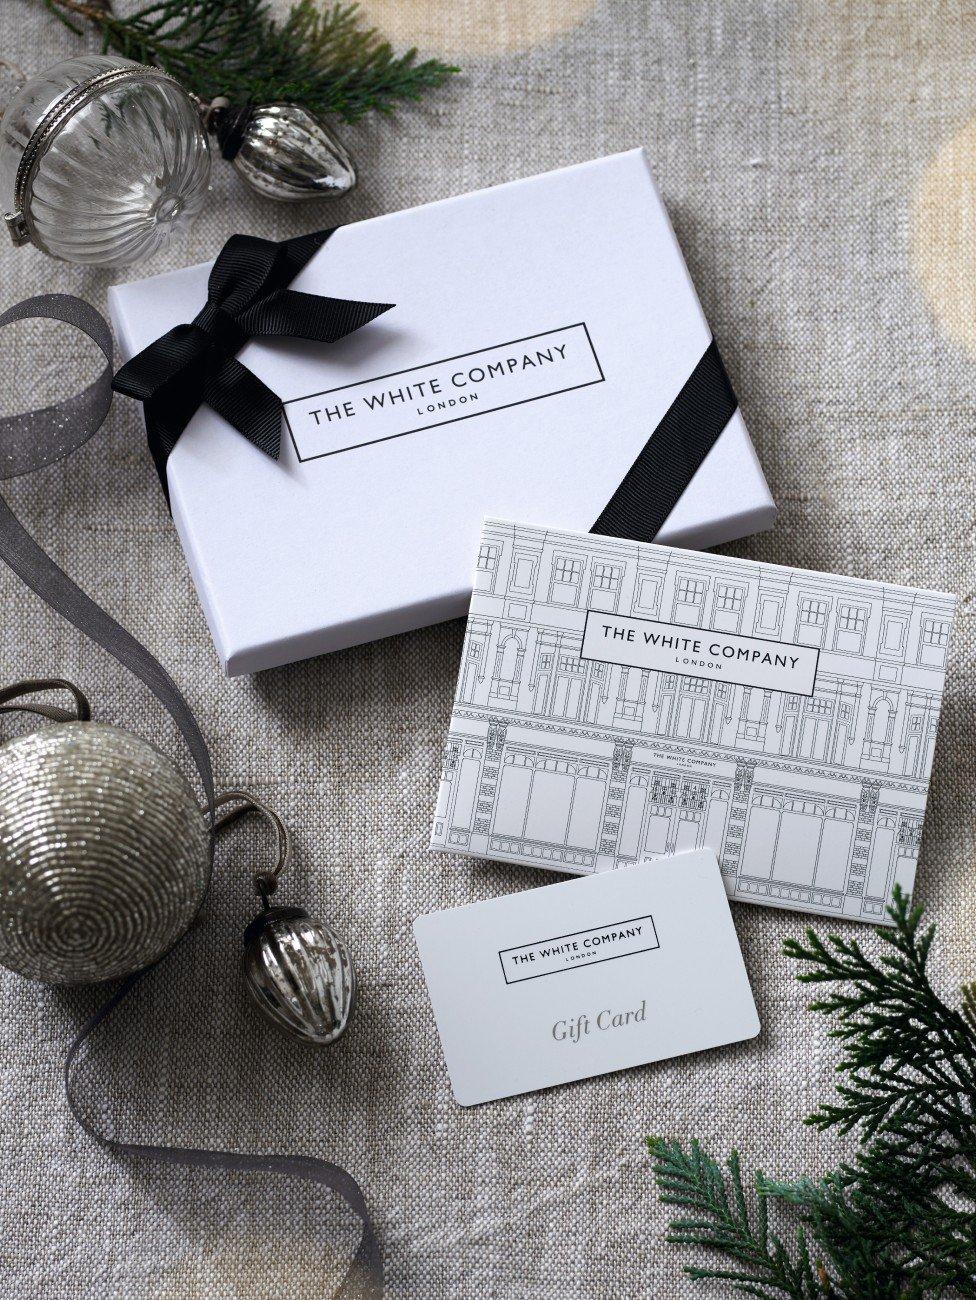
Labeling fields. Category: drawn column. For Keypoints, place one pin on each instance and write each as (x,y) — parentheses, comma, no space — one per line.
(866,813)
(741,790)
(497,730)
(623,752)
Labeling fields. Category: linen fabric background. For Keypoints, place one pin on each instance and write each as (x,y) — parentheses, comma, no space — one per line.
(819,164)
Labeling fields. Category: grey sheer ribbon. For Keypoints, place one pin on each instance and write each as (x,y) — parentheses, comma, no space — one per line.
(27,443)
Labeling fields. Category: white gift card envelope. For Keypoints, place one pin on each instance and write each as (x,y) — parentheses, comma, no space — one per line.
(542,334)
(618,700)
(581,978)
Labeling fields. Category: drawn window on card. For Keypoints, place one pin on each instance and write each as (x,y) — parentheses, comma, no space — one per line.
(935,639)
(689,601)
(647,593)
(523,574)
(605,587)
(567,574)
(727,607)
(811,620)
(770,612)
(487,566)
(852,621)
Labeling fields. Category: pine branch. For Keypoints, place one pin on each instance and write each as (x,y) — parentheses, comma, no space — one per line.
(899,1219)
(864,1244)
(721,1221)
(322,56)
(909,1059)
(909,1090)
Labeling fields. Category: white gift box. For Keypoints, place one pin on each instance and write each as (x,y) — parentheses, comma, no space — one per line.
(542,331)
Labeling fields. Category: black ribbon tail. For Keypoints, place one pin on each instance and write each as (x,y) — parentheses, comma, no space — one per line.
(247,297)
(28,442)
(673,454)
(159,449)
(248,404)
(176,357)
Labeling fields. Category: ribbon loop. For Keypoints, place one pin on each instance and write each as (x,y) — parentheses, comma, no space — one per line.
(172,359)
(247,268)
(247,297)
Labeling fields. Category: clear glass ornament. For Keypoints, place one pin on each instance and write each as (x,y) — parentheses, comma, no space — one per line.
(101,161)
(285,152)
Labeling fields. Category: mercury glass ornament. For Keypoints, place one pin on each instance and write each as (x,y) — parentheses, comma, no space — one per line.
(300,974)
(284,152)
(102,160)
(104,854)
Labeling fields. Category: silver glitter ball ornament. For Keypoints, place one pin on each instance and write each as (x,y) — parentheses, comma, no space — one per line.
(102,160)
(285,152)
(300,974)
(104,854)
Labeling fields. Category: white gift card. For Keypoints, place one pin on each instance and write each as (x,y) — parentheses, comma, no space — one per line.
(585,977)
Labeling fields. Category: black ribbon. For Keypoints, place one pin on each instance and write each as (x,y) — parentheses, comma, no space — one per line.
(688,430)
(28,442)
(247,297)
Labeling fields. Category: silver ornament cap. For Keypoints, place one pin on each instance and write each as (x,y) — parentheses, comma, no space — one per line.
(300,973)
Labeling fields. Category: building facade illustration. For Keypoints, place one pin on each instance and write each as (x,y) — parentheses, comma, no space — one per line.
(578,765)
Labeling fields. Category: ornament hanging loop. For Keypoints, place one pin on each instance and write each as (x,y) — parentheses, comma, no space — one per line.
(81,712)
(296,968)
(242,803)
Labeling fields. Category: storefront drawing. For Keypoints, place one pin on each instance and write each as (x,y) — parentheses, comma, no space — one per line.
(578,765)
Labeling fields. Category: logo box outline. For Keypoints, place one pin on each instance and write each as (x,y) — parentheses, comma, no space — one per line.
(534,943)
(455,419)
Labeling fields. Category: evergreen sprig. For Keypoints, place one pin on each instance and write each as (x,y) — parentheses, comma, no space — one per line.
(321,56)
(897,1220)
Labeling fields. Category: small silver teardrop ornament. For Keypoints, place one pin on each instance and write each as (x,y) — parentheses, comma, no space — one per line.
(287,153)
(300,974)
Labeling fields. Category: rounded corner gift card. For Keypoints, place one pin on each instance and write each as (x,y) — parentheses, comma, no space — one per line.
(592,975)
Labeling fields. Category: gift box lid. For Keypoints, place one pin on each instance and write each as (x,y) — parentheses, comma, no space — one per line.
(543,331)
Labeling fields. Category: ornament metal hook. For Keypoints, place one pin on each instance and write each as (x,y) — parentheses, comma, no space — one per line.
(265,882)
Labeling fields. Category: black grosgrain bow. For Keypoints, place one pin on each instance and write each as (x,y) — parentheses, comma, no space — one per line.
(247,297)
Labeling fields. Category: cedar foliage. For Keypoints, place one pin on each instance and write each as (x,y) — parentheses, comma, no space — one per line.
(322,57)
(898,1220)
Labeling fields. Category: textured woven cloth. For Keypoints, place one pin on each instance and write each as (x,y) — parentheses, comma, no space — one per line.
(819,165)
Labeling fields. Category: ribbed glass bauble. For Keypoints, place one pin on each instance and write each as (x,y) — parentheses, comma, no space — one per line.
(101,161)
(300,973)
